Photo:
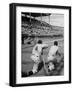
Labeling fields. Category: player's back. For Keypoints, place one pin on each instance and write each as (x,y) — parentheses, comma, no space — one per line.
(37,49)
(53,50)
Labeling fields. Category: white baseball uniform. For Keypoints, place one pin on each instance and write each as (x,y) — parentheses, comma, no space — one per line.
(52,52)
(36,53)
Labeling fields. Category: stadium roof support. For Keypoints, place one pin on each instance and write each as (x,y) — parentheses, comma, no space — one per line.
(30,17)
(49,19)
(41,18)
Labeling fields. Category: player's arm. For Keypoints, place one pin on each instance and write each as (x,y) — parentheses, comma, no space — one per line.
(44,46)
(58,53)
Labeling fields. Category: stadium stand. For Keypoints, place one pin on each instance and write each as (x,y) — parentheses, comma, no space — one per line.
(39,28)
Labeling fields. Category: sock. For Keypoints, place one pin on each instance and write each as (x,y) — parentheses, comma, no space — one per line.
(30,73)
(24,74)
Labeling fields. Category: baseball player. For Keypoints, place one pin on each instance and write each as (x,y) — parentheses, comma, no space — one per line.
(51,57)
(36,57)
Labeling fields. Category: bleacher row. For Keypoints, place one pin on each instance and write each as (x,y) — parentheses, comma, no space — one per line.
(34,27)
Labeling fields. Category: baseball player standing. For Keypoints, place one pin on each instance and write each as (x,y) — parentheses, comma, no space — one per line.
(36,57)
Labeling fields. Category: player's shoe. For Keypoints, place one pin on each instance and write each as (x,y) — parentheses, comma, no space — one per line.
(51,67)
(26,74)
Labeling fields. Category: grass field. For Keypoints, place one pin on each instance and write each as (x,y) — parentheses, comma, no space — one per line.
(27,63)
